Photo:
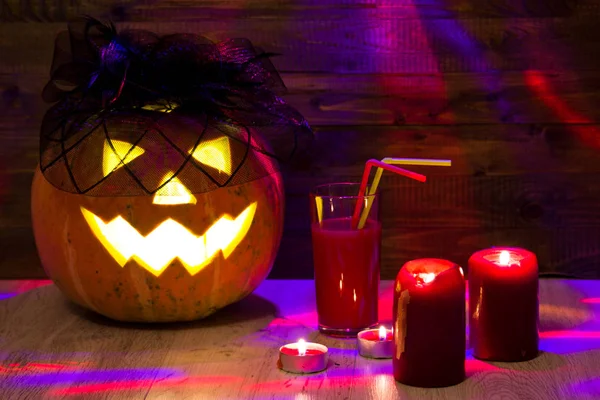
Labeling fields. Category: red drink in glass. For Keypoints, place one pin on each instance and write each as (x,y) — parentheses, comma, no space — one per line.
(346,262)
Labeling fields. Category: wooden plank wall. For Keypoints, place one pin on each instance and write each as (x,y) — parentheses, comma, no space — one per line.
(507,89)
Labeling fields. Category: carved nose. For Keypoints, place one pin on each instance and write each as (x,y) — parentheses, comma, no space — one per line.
(172,193)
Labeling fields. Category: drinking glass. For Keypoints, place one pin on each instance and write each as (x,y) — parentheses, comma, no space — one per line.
(346,258)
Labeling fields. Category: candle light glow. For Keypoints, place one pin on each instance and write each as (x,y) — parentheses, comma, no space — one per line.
(504,258)
(382,333)
(301,347)
(425,277)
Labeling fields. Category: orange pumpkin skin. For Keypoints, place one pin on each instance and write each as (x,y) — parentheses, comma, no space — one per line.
(87,274)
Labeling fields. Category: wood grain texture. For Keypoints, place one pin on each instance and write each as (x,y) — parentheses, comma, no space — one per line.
(18,254)
(507,89)
(380,99)
(51,349)
(361,43)
(47,11)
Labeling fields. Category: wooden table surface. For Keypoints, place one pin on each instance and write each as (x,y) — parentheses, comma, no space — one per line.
(51,349)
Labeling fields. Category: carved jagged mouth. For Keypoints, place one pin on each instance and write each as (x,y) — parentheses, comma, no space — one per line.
(170,240)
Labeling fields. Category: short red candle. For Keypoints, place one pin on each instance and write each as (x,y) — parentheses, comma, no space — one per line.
(375,343)
(429,324)
(313,359)
(503,304)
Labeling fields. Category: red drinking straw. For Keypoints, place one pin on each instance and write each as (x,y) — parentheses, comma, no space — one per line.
(365,179)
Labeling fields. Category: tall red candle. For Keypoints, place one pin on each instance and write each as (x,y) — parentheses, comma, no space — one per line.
(503,304)
(429,324)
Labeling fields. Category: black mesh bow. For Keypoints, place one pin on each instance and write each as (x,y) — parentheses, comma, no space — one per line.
(144,89)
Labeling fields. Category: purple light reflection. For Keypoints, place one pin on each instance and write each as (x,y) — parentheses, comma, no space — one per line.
(588,288)
(569,341)
(336,353)
(591,300)
(586,389)
(450,36)
(13,288)
(72,377)
(584,336)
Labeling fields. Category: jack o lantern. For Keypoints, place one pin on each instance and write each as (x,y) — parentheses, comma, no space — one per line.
(151,209)
(169,256)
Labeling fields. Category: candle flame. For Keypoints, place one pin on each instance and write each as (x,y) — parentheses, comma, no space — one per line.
(504,258)
(301,347)
(382,333)
(426,277)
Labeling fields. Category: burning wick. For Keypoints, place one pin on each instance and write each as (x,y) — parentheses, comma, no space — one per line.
(426,277)
(382,333)
(504,258)
(301,347)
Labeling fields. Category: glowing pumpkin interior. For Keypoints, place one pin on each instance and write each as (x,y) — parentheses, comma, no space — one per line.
(170,239)
(205,237)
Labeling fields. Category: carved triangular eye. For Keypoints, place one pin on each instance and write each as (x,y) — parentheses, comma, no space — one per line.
(118,153)
(215,153)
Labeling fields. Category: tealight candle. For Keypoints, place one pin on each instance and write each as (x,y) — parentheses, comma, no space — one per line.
(429,324)
(303,357)
(503,304)
(376,343)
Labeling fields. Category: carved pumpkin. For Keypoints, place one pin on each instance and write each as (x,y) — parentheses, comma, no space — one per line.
(175,254)
(157,198)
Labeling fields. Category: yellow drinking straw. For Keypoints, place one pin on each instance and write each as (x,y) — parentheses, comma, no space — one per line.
(396,161)
(319,204)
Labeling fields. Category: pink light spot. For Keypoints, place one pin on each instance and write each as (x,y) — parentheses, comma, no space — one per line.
(17,287)
(386,302)
(308,318)
(539,84)
(473,366)
(570,335)
(25,286)
(146,383)
(281,322)
(39,368)
(591,300)
(47,366)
